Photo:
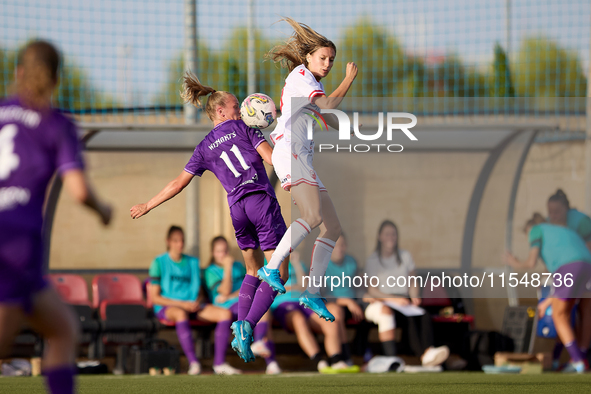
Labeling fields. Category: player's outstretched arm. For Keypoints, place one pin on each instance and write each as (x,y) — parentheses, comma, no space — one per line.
(335,98)
(78,187)
(265,150)
(172,189)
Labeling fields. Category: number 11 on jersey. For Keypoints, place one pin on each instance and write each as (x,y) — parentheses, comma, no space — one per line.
(224,156)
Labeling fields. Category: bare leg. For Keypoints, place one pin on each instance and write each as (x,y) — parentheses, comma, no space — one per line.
(330,227)
(11,317)
(296,321)
(57,324)
(253,260)
(309,203)
(332,338)
(561,311)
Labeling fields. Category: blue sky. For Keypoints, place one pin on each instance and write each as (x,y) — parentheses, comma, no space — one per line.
(107,37)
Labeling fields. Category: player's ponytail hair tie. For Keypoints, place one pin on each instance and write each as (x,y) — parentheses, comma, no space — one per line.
(193,89)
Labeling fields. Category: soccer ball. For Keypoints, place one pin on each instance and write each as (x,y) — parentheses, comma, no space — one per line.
(258,111)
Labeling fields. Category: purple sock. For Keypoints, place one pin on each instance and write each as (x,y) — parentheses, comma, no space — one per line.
(574,351)
(263,299)
(557,351)
(183,332)
(248,289)
(222,334)
(271,347)
(60,380)
(260,331)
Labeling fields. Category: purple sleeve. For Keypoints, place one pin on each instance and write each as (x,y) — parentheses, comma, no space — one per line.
(68,151)
(196,165)
(255,136)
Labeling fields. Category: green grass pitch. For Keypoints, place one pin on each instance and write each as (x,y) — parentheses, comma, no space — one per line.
(299,383)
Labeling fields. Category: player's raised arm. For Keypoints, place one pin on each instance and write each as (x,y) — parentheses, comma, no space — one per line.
(335,98)
(172,189)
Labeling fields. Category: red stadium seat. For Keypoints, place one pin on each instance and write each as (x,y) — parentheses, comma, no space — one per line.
(74,291)
(122,309)
(121,288)
(71,288)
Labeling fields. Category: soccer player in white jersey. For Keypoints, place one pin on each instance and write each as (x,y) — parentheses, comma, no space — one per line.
(309,57)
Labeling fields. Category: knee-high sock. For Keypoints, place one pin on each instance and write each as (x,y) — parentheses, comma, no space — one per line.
(248,289)
(222,334)
(271,347)
(60,380)
(323,248)
(183,332)
(263,299)
(574,351)
(260,331)
(294,236)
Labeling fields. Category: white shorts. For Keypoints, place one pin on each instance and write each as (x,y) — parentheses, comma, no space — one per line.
(293,165)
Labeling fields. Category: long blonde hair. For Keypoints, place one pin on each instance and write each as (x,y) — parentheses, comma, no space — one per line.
(302,42)
(40,62)
(193,89)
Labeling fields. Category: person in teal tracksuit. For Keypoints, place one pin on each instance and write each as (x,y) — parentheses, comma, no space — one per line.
(567,257)
(175,281)
(223,279)
(561,213)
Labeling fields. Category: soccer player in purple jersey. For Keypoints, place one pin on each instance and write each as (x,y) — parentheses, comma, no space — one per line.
(35,142)
(234,152)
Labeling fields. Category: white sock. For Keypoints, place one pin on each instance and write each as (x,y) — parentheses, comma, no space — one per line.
(294,236)
(320,258)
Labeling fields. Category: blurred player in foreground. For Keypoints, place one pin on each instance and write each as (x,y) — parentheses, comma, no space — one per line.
(565,255)
(234,152)
(35,142)
(309,57)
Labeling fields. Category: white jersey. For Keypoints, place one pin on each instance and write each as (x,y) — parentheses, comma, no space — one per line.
(299,83)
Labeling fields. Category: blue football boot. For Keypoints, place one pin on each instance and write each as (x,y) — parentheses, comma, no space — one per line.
(272,277)
(316,304)
(242,340)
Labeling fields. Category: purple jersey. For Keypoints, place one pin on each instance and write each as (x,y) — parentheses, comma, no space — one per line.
(33,146)
(229,151)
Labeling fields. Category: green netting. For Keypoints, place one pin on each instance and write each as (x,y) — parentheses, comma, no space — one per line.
(129,54)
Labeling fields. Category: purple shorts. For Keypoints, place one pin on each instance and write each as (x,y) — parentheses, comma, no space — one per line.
(281,312)
(21,268)
(581,276)
(257,221)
